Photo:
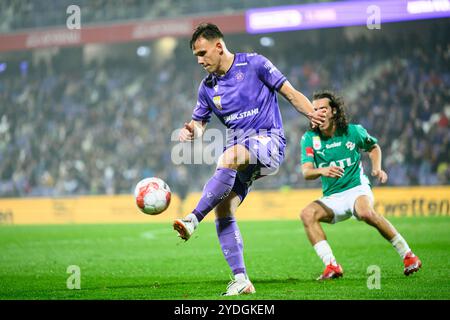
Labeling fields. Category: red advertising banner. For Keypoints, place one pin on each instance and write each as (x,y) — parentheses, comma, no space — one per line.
(115,33)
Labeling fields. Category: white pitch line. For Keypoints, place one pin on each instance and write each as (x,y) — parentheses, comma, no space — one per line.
(151,235)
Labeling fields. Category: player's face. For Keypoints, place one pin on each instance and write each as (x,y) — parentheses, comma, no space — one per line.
(208,53)
(324,104)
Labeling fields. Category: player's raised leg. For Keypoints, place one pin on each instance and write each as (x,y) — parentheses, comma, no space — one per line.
(312,215)
(216,189)
(232,245)
(365,211)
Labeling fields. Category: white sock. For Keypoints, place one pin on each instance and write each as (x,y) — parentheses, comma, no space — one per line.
(240,277)
(193,218)
(323,250)
(400,245)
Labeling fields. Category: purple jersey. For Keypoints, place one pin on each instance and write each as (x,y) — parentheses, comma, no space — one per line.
(244,99)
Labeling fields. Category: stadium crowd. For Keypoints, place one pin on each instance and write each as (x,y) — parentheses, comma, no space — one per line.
(406,104)
(100,128)
(16,15)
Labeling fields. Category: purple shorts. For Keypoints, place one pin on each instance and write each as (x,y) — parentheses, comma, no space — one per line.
(266,156)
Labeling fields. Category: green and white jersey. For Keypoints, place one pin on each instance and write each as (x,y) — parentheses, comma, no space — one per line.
(340,150)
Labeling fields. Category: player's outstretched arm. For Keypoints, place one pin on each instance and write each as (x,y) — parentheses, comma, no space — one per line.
(302,104)
(375,158)
(192,130)
(311,173)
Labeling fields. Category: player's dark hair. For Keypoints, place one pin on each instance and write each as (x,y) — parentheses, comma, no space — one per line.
(337,104)
(206,30)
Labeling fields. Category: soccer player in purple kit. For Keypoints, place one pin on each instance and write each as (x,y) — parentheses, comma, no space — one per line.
(241,90)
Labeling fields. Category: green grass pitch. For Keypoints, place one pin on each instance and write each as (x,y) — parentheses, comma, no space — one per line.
(148,261)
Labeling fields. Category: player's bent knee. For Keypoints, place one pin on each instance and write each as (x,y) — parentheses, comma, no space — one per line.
(233,166)
(236,157)
(308,215)
(223,208)
(368,215)
(228,206)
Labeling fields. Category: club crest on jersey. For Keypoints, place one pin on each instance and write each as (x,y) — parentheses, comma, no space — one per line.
(239,76)
(217,103)
(350,145)
(316,143)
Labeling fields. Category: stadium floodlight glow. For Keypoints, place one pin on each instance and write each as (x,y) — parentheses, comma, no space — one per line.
(266,42)
(341,14)
(24,67)
(275,19)
(417,7)
(143,51)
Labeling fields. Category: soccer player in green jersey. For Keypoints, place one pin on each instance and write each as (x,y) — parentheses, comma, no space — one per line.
(332,152)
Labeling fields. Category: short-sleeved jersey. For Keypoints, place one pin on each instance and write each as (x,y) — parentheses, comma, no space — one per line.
(244,99)
(340,150)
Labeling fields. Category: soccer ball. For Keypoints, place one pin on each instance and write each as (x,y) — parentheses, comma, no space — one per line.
(152,195)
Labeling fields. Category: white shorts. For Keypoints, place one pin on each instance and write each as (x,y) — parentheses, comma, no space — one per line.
(343,203)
